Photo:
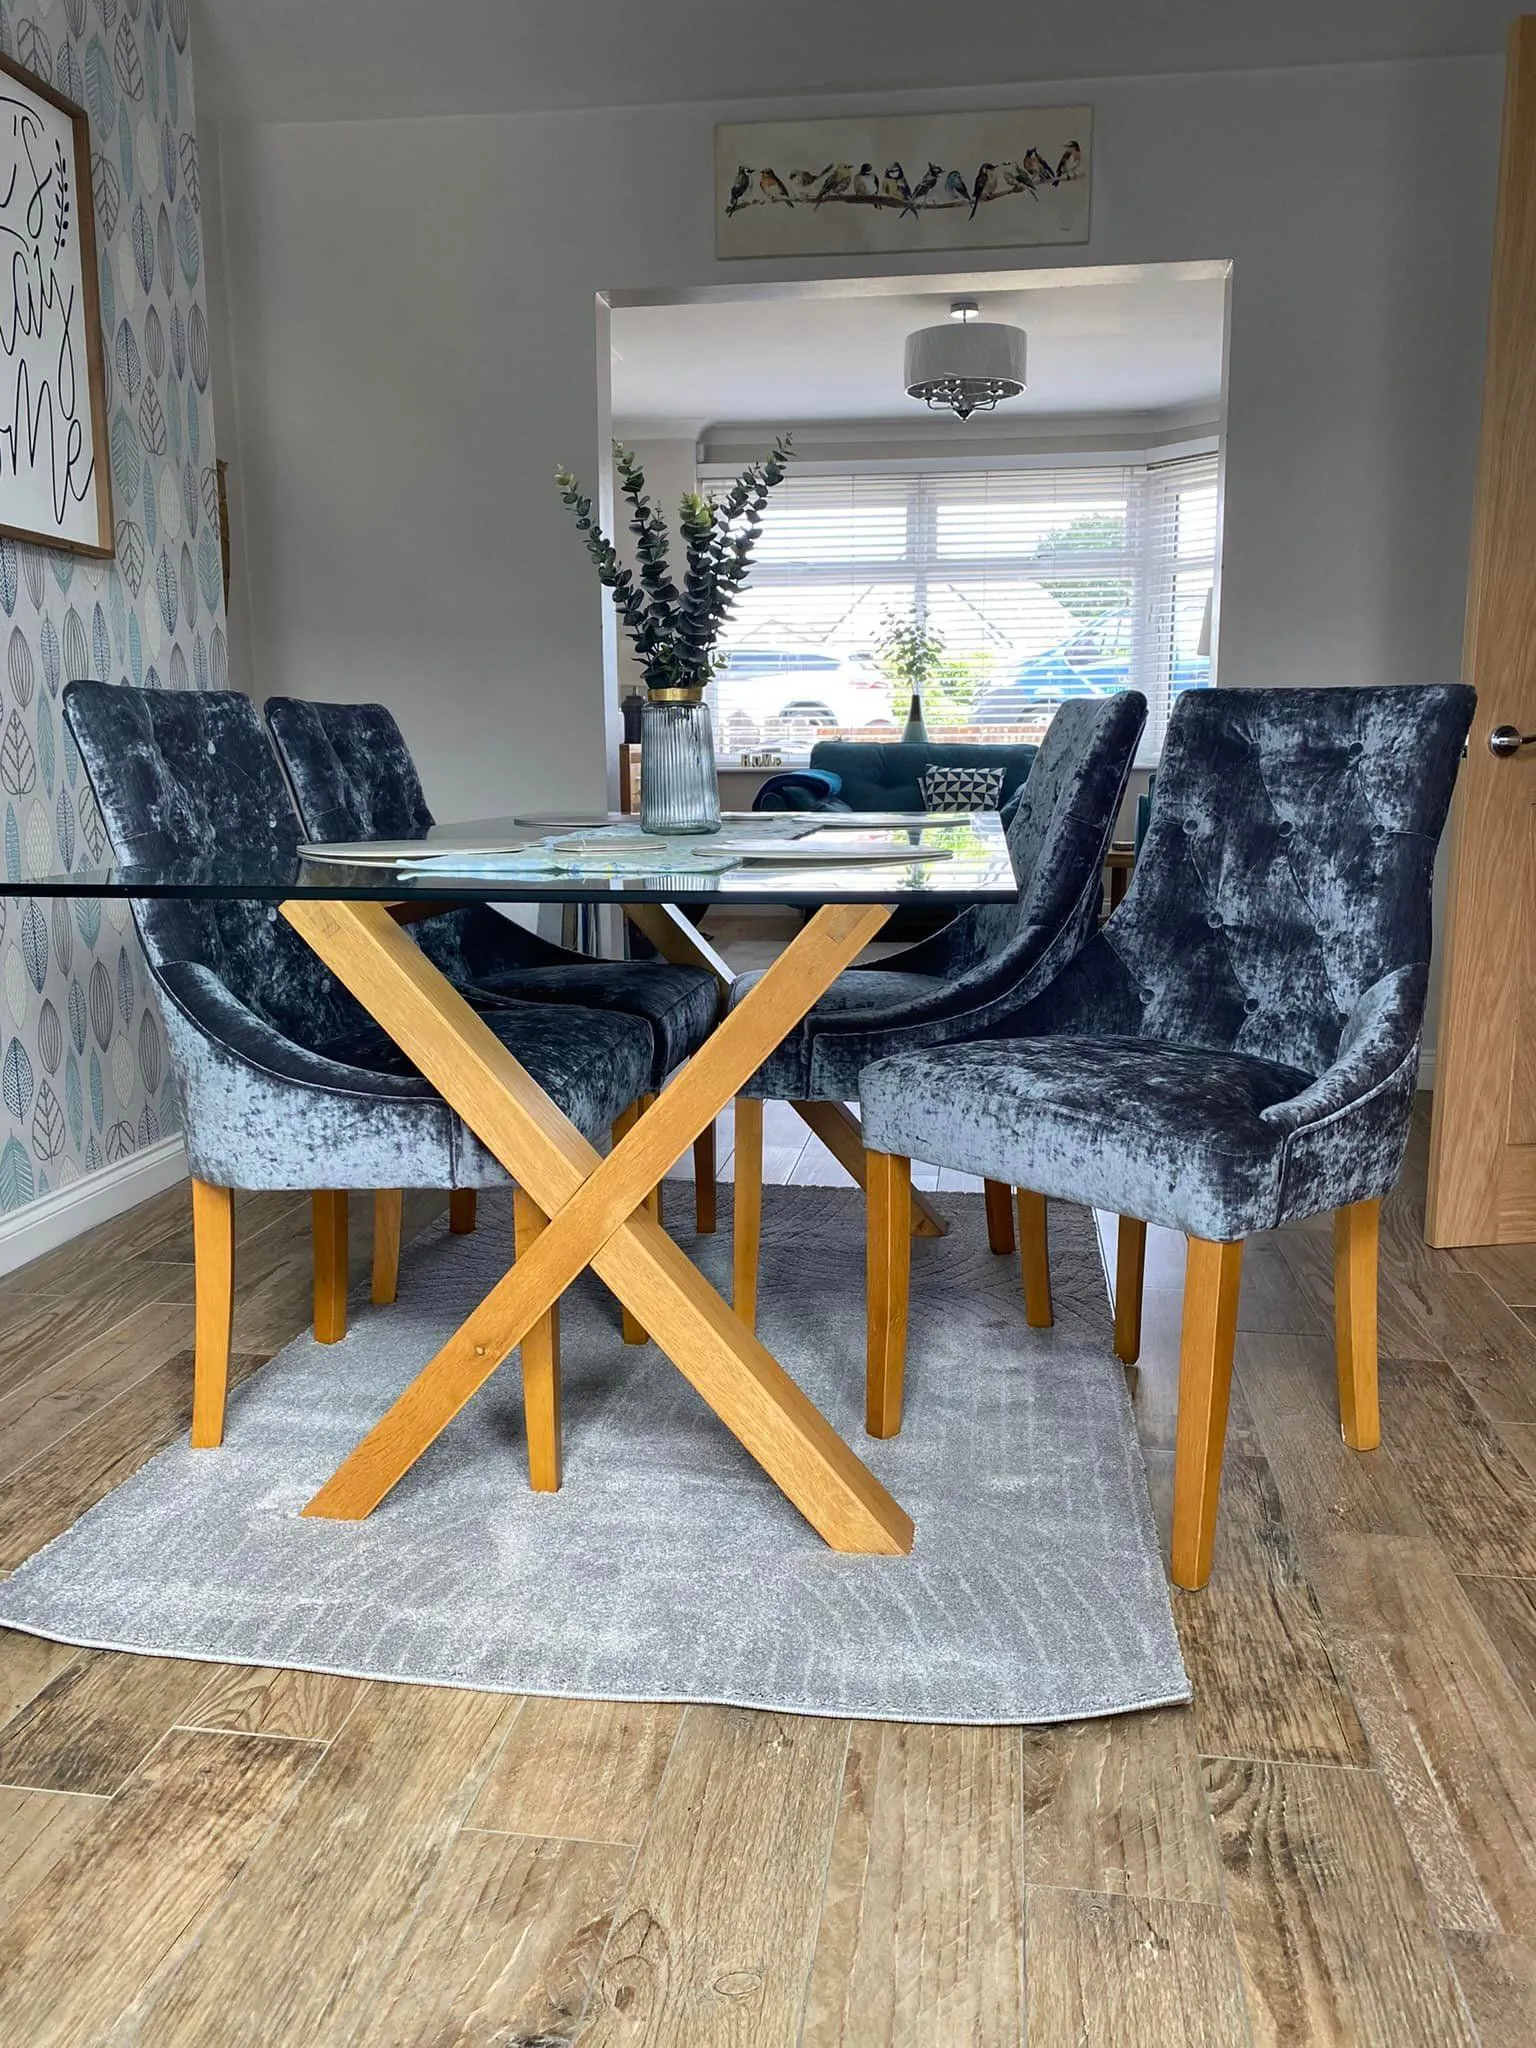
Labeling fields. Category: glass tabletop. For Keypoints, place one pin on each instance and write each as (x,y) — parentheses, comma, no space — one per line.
(950,865)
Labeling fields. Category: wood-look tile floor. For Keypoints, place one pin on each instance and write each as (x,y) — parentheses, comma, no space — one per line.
(1335,1844)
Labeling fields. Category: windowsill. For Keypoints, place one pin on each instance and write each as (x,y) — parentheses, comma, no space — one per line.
(1145,764)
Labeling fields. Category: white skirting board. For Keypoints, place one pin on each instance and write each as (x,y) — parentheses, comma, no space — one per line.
(42,1226)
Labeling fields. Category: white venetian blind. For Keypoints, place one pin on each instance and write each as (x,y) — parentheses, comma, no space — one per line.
(1181,568)
(1068,579)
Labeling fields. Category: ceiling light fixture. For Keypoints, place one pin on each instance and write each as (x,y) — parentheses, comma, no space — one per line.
(968,365)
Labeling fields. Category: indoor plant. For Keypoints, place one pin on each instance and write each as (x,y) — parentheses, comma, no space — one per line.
(675,626)
(910,653)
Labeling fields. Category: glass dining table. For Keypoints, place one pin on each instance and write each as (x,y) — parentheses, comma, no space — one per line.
(357,916)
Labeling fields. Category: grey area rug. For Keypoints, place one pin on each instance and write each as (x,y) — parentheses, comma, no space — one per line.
(669,1567)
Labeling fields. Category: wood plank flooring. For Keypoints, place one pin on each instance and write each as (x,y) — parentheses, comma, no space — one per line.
(1335,1845)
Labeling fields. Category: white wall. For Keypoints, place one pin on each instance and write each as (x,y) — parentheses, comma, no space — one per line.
(415,344)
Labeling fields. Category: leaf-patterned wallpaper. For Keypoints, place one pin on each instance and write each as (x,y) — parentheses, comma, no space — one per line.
(83,1071)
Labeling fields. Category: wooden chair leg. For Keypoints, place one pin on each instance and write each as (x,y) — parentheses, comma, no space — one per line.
(999,1217)
(704,1171)
(634,1330)
(463,1208)
(653,1199)
(388,1218)
(1212,1278)
(213,1246)
(748,1225)
(1130,1269)
(888,1270)
(1035,1260)
(1356,1243)
(541,1366)
(330,1231)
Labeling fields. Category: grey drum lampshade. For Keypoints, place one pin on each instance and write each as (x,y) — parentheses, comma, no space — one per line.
(967,366)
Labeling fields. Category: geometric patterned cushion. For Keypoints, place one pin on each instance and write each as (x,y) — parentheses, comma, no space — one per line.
(962,789)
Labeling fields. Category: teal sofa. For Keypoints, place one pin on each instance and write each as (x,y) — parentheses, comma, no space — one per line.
(876,775)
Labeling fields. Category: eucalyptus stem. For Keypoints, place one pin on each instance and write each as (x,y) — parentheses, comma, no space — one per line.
(675,628)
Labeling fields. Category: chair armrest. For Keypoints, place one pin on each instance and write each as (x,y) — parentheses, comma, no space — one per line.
(259,1111)
(208,1008)
(1380,1035)
(800,789)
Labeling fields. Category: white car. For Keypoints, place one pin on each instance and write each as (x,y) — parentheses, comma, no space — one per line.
(768,687)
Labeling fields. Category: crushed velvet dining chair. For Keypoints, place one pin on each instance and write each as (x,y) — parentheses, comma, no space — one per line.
(1236,1049)
(285,1081)
(353,778)
(951,983)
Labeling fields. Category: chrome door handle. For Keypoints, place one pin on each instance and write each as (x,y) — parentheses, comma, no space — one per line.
(1506,740)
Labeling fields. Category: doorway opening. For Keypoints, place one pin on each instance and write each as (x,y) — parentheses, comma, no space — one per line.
(1065,543)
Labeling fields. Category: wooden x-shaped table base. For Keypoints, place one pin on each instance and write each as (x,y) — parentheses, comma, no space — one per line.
(596,1217)
(676,939)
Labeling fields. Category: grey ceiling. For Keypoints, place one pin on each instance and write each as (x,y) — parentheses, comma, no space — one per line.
(305,60)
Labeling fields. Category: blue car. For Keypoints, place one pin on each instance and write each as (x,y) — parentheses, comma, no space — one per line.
(1095,662)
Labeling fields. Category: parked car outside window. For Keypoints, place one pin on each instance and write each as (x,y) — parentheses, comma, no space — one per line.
(1094,662)
(767,692)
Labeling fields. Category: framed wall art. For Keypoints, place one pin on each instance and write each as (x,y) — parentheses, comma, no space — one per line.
(877,183)
(55,468)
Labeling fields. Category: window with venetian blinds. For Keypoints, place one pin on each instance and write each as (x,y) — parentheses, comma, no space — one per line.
(1039,583)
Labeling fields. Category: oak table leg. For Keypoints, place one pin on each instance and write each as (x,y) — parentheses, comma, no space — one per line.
(679,940)
(1130,1272)
(623,1124)
(653,1199)
(541,1365)
(1356,1244)
(747,1214)
(888,1281)
(999,1198)
(1212,1277)
(704,1173)
(597,1217)
(330,1231)
(388,1220)
(213,1251)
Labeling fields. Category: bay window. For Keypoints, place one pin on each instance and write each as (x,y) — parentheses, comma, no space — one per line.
(1016,588)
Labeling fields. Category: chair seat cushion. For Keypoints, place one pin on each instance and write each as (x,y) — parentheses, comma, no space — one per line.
(786,1076)
(1169,1133)
(593,1063)
(680,1004)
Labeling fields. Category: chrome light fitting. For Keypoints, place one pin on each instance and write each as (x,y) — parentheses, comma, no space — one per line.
(969,365)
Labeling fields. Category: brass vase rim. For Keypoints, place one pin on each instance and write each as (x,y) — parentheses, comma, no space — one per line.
(677,696)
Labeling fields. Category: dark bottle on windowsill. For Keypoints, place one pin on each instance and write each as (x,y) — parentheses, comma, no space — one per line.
(914,732)
(633,708)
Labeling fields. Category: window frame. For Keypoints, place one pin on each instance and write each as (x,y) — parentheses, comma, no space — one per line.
(1151,573)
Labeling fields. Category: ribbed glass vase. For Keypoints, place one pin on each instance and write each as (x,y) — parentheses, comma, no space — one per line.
(679,789)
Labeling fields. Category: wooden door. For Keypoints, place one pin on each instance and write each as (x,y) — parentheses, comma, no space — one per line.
(1482,1176)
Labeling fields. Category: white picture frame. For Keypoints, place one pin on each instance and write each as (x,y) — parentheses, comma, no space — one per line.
(878,183)
(55,460)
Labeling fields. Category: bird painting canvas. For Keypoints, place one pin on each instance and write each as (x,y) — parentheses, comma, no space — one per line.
(922,181)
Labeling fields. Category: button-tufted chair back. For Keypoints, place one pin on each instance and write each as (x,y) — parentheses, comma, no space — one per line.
(353,778)
(1286,870)
(1080,771)
(181,777)
(351,770)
